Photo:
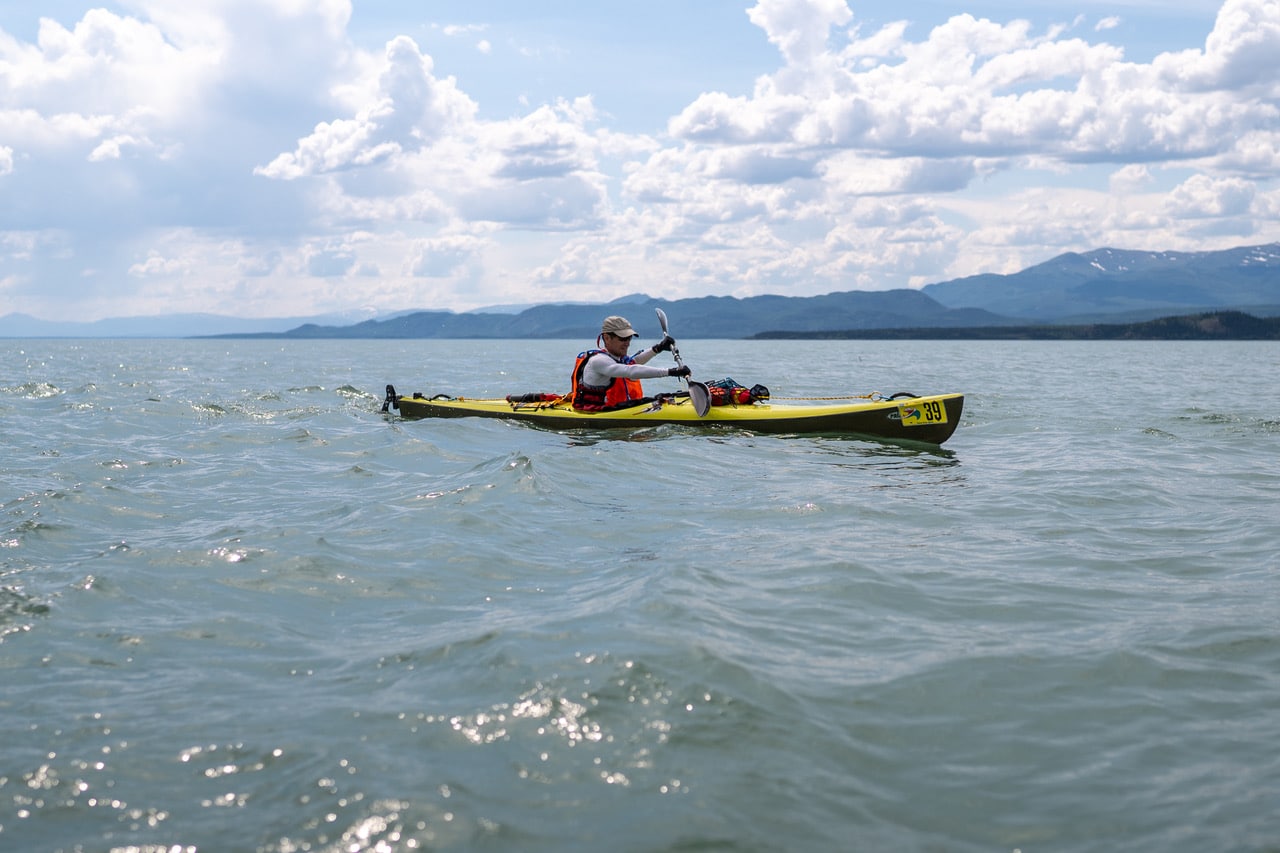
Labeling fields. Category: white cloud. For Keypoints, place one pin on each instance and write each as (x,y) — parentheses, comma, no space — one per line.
(82,92)
(249,155)
(1239,54)
(977,98)
(1131,178)
(156,264)
(1201,197)
(455,30)
(405,109)
(329,263)
(800,28)
(1256,153)
(417,134)
(582,261)
(439,257)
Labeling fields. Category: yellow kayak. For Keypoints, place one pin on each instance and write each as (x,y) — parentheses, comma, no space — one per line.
(903,417)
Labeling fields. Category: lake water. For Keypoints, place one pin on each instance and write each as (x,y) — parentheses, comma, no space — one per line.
(243,610)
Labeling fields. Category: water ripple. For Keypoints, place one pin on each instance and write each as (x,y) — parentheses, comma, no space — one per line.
(240,608)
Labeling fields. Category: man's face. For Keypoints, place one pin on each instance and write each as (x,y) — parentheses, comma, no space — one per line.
(616,346)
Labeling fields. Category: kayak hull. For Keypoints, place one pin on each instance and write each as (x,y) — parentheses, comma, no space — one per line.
(929,419)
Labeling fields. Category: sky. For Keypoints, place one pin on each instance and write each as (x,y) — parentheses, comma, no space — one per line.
(288,158)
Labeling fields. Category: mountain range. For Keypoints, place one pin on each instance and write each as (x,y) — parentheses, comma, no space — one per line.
(1101,286)
(165,326)
(1208,326)
(1115,285)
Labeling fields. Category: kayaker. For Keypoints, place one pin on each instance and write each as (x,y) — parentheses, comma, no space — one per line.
(603,378)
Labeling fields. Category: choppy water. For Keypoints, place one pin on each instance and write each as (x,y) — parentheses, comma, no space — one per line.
(242,610)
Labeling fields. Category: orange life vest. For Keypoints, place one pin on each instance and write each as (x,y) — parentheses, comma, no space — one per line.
(591,398)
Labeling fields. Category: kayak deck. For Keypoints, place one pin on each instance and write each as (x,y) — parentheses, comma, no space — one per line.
(929,419)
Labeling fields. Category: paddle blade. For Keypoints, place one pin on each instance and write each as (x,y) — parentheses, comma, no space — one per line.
(700,396)
(662,319)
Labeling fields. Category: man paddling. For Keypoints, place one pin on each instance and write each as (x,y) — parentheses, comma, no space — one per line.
(608,377)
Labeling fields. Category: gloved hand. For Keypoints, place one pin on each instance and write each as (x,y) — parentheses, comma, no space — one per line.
(665,344)
(682,370)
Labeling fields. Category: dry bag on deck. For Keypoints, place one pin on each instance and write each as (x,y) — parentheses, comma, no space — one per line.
(728,392)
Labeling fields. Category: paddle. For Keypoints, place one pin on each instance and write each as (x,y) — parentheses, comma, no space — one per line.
(698,393)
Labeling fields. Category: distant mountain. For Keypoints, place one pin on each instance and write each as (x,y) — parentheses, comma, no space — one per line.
(517,308)
(166,326)
(1106,285)
(1213,326)
(1111,283)
(1101,286)
(702,317)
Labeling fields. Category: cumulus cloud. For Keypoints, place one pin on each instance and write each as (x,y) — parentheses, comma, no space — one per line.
(89,92)
(405,109)
(986,89)
(1238,54)
(1201,197)
(328,263)
(157,264)
(582,261)
(533,171)
(442,256)
(1131,178)
(243,147)
(800,28)
(975,98)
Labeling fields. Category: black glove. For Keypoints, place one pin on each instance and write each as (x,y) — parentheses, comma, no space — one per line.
(682,370)
(665,344)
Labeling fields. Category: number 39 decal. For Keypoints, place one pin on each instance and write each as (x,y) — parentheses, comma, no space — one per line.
(922,412)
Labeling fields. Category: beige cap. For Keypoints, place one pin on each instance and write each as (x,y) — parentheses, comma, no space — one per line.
(618,327)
